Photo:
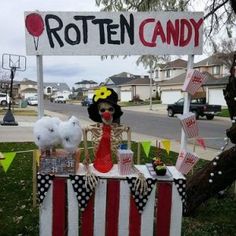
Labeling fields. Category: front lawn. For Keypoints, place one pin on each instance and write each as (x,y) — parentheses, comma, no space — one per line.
(18,217)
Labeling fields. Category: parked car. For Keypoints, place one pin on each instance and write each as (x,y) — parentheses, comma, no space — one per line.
(60,99)
(198,106)
(87,101)
(4,99)
(32,101)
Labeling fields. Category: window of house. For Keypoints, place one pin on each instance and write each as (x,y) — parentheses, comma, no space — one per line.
(167,73)
(216,70)
(49,90)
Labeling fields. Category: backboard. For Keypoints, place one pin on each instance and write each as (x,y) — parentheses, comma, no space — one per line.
(10,61)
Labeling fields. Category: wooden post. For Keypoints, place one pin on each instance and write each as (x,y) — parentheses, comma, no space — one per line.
(129,137)
(138,154)
(34,180)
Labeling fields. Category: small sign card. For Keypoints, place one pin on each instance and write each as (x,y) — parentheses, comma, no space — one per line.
(59,162)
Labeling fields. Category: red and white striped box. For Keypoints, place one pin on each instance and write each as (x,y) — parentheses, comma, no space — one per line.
(189,124)
(193,81)
(125,161)
(186,161)
(111,210)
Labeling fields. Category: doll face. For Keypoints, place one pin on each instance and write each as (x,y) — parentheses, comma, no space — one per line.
(106,112)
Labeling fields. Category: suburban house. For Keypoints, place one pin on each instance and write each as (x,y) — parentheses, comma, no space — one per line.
(128,86)
(171,90)
(57,89)
(84,86)
(28,88)
(115,81)
(170,70)
(214,90)
(137,89)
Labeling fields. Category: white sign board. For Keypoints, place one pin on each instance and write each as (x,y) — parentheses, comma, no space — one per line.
(113,33)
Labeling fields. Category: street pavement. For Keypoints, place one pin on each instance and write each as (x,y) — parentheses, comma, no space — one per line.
(24,131)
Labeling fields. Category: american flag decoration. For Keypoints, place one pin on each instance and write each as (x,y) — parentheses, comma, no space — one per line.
(112,210)
(189,124)
(193,81)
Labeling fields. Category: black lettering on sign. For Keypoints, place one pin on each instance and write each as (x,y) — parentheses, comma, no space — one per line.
(101,23)
(129,28)
(110,32)
(53,31)
(77,34)
(84,20)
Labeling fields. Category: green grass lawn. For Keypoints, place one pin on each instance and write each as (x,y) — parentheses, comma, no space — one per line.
(224,112)
(18,217)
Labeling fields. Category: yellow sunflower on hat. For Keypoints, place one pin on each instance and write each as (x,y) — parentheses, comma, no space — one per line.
(102,93)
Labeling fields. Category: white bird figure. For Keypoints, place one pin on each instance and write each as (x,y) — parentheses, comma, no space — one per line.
(46,133)
(70,134)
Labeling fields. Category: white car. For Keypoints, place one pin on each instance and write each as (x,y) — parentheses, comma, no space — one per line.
(4,99)
(32,101)
(60,99)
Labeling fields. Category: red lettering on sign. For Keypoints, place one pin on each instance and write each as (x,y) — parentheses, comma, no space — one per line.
(185,32)
(158,31)
(179,32)
(196,26)
(141,32)
(173,32)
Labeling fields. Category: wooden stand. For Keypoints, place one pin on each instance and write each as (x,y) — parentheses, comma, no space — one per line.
(111,210)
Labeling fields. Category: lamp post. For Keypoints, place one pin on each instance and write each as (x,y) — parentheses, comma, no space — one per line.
(151,76)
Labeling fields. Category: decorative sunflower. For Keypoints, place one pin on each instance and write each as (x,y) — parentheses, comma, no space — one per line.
(102,93)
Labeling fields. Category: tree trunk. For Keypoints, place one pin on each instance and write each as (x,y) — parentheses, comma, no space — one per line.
(217,175)
(220,173)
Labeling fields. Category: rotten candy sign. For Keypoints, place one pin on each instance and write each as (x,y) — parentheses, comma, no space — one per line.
(113,33)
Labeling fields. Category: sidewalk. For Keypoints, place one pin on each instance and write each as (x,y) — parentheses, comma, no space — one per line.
(24,131)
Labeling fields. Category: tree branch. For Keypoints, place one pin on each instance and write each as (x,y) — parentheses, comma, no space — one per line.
(215,9)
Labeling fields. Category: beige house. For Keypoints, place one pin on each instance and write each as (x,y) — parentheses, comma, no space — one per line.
(171,90)
(28,88)
(170,70)
(137,89)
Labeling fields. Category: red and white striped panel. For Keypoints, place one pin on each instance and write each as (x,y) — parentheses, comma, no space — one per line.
(111,211)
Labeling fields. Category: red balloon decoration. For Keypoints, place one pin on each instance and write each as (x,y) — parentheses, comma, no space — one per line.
(34,24)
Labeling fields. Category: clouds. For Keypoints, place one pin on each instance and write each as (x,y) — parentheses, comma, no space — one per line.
(56,69)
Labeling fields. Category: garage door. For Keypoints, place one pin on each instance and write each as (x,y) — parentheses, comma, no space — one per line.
(216,97)
(125,96)
(169,97)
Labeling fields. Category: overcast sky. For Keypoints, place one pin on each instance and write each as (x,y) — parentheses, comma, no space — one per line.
(56,68)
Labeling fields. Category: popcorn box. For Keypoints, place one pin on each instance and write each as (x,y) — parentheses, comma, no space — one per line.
(125,161)
(186,161)
(193,81)
(189,124)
